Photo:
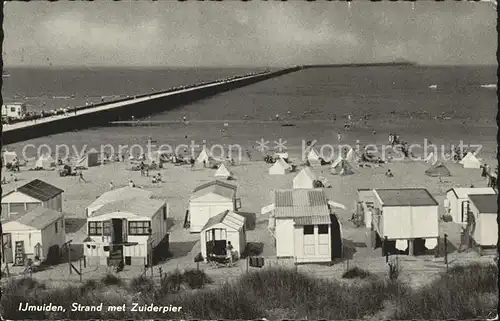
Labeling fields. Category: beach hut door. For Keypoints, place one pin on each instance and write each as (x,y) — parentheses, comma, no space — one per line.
(465,210)
(7,254)
(124,230)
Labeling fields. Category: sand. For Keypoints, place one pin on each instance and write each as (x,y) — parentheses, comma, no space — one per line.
(254,188)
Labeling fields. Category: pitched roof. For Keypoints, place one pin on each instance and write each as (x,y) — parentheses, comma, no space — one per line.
(406,197)
(300,202)
(217,187)
(39,217)
(122,193)
(40,190)
(438,169)
(140,206)
(228,218)
(464,192)
(485,203)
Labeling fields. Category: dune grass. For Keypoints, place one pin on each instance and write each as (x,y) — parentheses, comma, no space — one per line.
(465,292)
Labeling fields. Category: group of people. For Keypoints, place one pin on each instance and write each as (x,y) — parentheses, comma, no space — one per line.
(491,179)
(394,139)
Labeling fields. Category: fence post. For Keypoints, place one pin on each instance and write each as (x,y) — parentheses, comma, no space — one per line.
(69,258)
(384,247)
(248,259)
(80,261)
(84,261)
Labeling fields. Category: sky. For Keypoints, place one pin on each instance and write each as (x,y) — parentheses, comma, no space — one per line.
(255,33)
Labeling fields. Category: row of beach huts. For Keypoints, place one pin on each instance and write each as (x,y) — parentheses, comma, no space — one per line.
(130,224)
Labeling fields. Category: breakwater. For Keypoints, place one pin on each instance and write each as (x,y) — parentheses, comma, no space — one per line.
(137,106)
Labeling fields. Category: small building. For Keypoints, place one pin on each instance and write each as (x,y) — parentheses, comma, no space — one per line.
(280,167)
(14,110)
(27,197)
(9,157)
(470,161)
(483,215)
(365,204)
(38,232)
(408,217)
(90,159)
(221,229)
(223,172)
(130,230)
(457,200)
(306,178)
(209,200)
(303,226)
(115,195)
(438,170)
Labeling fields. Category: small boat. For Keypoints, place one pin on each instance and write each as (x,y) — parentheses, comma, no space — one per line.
(489,86)
(5,75)
(433,86)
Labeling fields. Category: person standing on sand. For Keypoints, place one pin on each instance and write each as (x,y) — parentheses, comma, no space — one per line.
(131,183)
(229,252)
(111,186)
(339,136)
(80,177)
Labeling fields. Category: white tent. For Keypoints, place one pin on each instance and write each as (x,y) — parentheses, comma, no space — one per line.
(470,161)
(431,158)
(88,160)
(351,156)
(222,171)
(203,156)
(9,157)
(313,155)
(45,161)
(279,167)
(341,167)
(305,179)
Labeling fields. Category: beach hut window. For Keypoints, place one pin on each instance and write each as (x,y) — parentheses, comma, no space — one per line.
(95,228)
(106,228)
(16,208)
(30,206)
(308,229)
(139,227)
(5,210)
(57,231)
(323,229)
(164,213)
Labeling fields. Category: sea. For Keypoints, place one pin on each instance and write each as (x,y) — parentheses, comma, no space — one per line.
(435,104)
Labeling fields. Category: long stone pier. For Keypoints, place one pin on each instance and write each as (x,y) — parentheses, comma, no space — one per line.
(138,106)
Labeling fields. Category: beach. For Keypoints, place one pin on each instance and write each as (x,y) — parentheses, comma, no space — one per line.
(317,103)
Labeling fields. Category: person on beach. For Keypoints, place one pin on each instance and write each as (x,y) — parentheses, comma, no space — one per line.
(111,186)
(389,173)
(339,136)
(229,252)
(131,183)
(80,177)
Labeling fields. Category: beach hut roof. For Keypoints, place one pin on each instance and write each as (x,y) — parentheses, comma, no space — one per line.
(406,197)
(38,218)
(293,203)
(40,190)
(281,162)
(122,193)
(217,187)
(140,206)
(485,203)
(228,218)
(341,166)
(464,192)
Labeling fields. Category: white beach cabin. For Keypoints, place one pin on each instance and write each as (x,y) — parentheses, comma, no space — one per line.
(313,156)
(204,155)
(9,157)
(118,194)
(36,232)
(457,199)
(484,209)
(280,167)
(29,196)
(306,178)
(303,226)
(223,172)
(209,200)
(352,156)
(470,161)
(408,217)
(128,230)
(221,229)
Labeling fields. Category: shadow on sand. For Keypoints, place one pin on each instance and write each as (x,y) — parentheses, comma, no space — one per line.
(180,249)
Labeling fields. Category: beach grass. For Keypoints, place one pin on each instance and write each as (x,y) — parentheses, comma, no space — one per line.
(464,292)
